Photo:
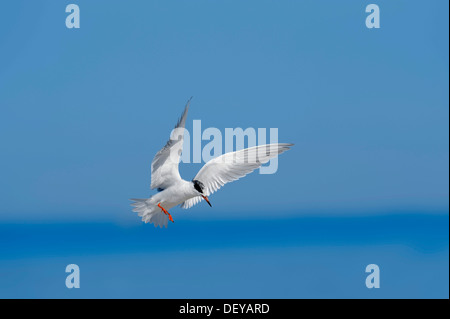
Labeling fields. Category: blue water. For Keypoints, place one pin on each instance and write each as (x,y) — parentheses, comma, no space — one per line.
(303,257)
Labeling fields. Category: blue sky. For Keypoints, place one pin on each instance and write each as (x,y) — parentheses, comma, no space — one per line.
(84,111)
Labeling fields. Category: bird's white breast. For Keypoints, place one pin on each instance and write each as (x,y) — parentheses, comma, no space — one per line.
(175,194)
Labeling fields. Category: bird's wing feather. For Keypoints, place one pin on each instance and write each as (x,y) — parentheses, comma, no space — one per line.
(165,163)
(232,166)
(191,202)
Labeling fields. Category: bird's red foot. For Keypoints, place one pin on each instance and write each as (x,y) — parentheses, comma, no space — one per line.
(166,212)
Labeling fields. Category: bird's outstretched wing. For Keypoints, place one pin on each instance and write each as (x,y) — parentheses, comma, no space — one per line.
(232,166)
(165,163)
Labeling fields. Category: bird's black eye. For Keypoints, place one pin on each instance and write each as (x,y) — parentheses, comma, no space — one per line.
(198,186)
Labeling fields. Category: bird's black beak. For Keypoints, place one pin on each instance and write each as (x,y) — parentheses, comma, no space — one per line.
(207,200)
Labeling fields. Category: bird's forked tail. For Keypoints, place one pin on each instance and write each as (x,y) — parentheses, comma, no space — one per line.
(149,211)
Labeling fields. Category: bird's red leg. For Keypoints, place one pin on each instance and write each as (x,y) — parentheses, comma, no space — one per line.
(166,212)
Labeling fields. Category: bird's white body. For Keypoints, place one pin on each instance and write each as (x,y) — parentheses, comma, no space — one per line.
(168,198)
(175,195)
(173,190)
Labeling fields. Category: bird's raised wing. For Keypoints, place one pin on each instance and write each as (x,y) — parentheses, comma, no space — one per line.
(232,166)
(165,163)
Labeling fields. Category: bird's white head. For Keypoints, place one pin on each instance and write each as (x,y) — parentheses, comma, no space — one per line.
(199,188)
